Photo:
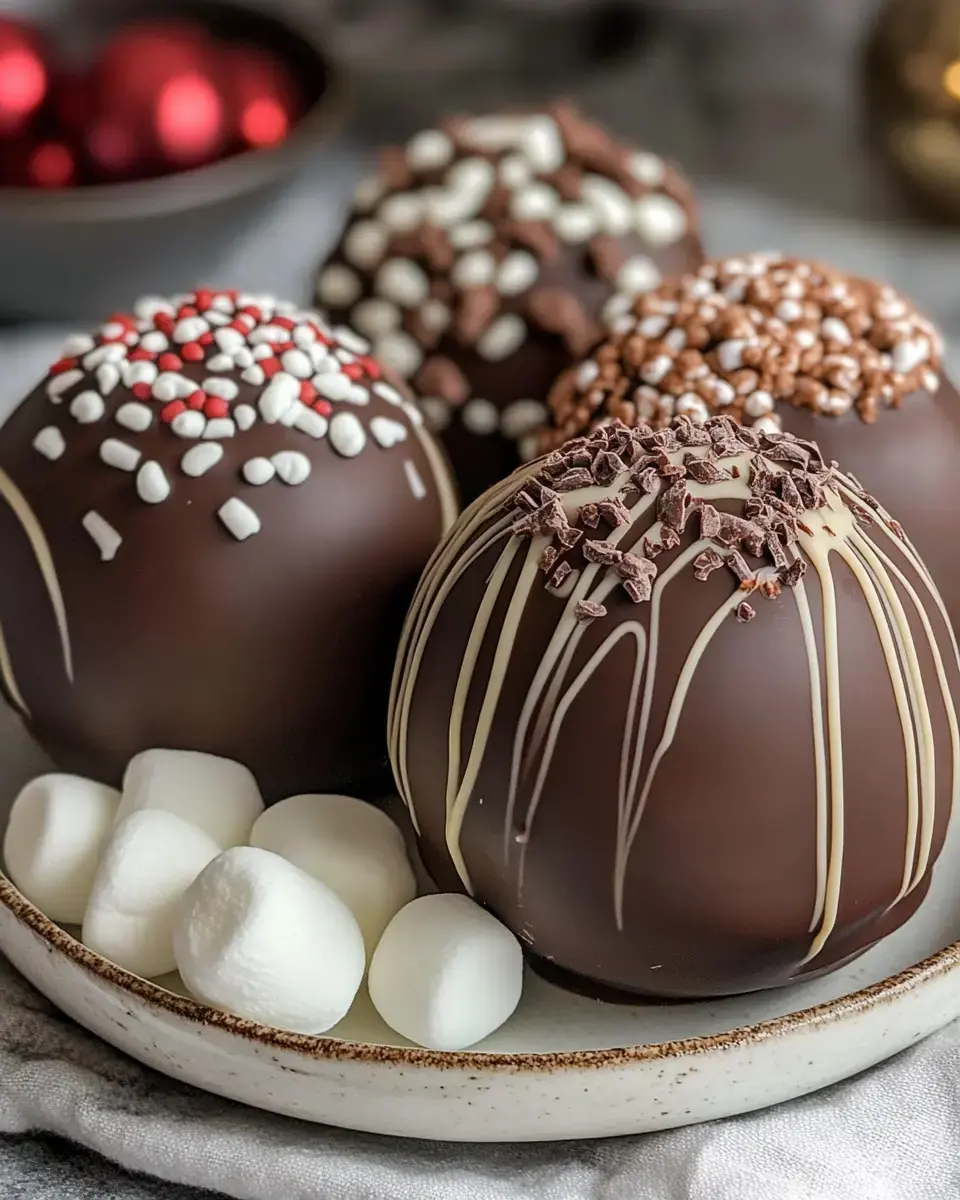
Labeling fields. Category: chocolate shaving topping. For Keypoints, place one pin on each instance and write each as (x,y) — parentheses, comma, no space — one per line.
(738,565)
(607,466)
(588,610)
(590,516)
(673,504)
(709,522)
(701,470)
(745,612)
(574,479)
(706,563)
(603,553)
(560,574)
(548,558)
(792,575)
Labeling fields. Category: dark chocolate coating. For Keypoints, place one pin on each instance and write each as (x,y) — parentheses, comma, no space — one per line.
(578,275)
(276,651)
(720,884)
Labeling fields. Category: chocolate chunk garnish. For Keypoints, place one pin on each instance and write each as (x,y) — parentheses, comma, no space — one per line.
(706,563)
(709,522)
(560,574)
(548,558)
(745,612)
(602,553)
(794,573)
(574,479)
(590,515)
(588,610)
(607,466)
(702,471)
(672,506)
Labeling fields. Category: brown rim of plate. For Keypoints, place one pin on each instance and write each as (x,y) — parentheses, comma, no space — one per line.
(335,1050)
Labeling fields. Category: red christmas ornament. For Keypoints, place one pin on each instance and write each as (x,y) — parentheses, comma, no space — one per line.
(265,100)
(24,76)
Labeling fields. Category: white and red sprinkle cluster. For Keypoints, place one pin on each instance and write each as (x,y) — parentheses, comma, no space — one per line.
(302,366)
(743,336)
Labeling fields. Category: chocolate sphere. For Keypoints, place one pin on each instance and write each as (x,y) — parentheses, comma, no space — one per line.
(213,514)
(486,258)
(678,706)
(780,343)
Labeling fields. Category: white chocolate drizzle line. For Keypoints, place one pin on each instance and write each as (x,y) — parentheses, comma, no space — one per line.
(9,680)
(833,529)
(41,550)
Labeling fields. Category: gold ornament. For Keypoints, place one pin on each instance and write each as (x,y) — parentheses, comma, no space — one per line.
(913,91)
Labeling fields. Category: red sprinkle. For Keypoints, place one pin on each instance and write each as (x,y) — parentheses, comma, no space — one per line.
(165,323)
(323,407)
(192,352)
(252,311)
(169,362)
(354,371)
(172,410)
(187,310)
(283,347)
(197,400)
(270,366)
(284,322)
(203,299)
(205,339)
(240,326)
(141,355)
(308,393)
(321,336)
(215,407)
(63,365)
(371,366)
(141,391)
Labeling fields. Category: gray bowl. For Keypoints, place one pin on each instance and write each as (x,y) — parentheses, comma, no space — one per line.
(79,253)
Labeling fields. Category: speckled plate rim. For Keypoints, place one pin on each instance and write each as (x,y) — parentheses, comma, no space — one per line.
(944,962)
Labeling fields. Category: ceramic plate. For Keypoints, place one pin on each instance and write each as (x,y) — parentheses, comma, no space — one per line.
(563,1067)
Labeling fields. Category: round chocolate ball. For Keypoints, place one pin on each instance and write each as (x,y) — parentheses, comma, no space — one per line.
(781,343)
(678,706)
(213,513)
(490,253)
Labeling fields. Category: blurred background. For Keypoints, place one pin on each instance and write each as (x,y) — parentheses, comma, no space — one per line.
(151,147)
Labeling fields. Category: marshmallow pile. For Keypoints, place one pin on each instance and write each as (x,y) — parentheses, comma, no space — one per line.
(274,915)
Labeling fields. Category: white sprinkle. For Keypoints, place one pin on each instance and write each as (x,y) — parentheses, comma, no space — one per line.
(118,454)
(413,479)
(759,404)
(435,316)
(387,432)
(113,353)
(108,376)
(76,345)
(402,212)
(338,286)
(365,244)
(521,417)
(648,168)
(692,406)
(350,341)
(402,281)
(226,389)
(575,224)
(87,407)
(332,387)
(789,311)
(253,375)
(907,356)
(321,358)
(219,427)
(304,336)
(517,272)
(310,422)
(292,466)
(730,354)
(239,518)
(367,194)
(805,338)
(836,330)
(149,306)
(188,424)
(170,386)
(49,442)
(357,395)
(474,269)
(931,380)
(515,171)
(723,393)
(543,145)
(216,318)
(263,351)
(399,351)
(229,340)
(268,335)
(436,412)
(653,371)
(769,424)
(637,275)
(103,533)
(113,330)
(289,416)
(223,362)
(199,459)
(376,317)
(386,392)
(480,417)
(494,132)
(153,487)
(586,374)
(297,364)
(346,435)
(189,329)
(472,178)
(245,416)
(535,202)
(660,220)
(134,416)
(471,234)
(258,471)
(133,373)
(62,383)
(653,327)
(609,203)
(502,337)
(429,150)
(617,307)
(676,340)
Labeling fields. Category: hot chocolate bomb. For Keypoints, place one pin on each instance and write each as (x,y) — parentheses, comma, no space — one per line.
(486,258)
(213,513)
(781,343)
(678,706)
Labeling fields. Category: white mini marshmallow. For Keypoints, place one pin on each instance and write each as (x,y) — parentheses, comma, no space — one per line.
(149,863)
(216,794)
(264,940)
(352,847)
(58,827)
(446,973)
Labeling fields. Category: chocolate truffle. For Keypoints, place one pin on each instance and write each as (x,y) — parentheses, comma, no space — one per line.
(488,255)
(213,514)
(679,707)
(777,343)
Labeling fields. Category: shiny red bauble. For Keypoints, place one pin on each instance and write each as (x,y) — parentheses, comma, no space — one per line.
(24,76)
